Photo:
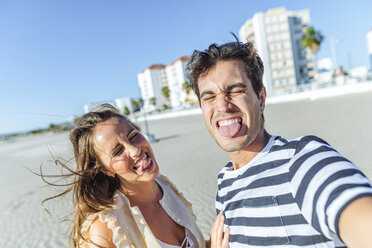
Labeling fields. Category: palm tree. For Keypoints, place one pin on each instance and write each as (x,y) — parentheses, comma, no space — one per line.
(311,39)
(153,101)
(165,91)
(165,106)
(140,102)
(135,105)
(186,87)
(126,110)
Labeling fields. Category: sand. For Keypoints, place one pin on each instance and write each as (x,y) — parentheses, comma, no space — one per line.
(185,153)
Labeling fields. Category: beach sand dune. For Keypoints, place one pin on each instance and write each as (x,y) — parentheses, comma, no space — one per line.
(185,153)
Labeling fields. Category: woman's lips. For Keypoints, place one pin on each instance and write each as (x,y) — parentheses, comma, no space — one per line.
(143,164)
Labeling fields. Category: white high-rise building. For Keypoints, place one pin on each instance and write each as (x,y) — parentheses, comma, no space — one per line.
(119,103)
(124,102)
(277,37)
(92,106)
(154,78)
(176,76)
(151,81)
(369,46)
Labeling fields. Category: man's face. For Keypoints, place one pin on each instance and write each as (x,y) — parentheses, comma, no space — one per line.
(231,109)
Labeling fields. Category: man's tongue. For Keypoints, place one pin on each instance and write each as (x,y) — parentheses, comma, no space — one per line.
(229,130)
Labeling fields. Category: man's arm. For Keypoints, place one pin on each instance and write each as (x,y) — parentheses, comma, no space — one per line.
(355,224)
(337,190)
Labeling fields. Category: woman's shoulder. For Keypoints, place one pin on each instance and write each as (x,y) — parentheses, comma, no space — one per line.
(100,234)
(99,227)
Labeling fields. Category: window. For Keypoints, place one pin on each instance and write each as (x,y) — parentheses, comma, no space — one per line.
(282,17)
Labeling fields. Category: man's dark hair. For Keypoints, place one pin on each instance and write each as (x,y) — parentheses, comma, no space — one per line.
(202,61)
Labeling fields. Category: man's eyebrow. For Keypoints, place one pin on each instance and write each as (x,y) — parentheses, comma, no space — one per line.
(207,92)
(237,85)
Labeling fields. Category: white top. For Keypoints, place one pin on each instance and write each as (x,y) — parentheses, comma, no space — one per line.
(129,227)
(186,243)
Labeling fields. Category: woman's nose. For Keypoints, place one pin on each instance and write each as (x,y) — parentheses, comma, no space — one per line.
(134,151)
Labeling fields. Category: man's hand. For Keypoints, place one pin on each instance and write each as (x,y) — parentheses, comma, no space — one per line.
(218,239)
(355,224)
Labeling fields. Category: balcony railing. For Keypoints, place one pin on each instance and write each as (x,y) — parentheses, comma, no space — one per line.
(315,84)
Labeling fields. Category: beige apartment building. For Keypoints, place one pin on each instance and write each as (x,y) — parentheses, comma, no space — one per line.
(277,36)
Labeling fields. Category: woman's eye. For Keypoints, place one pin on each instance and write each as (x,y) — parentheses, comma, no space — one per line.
(118,151)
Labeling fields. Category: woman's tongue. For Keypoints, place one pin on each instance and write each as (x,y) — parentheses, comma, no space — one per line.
(144,164)
(229,130)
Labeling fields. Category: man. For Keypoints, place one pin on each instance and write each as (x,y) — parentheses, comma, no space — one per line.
(274,192)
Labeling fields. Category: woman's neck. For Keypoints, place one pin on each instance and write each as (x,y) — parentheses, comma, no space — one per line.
(140,193)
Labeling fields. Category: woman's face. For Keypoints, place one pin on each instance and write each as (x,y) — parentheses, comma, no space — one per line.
(124,151)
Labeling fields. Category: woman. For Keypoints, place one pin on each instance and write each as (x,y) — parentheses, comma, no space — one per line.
(119,198)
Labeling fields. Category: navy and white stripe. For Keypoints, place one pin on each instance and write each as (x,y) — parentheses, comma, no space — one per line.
(291,194)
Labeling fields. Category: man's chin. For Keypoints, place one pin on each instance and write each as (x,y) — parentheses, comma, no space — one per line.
(231,146)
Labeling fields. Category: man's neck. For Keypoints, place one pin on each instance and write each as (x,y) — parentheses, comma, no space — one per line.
(244,156)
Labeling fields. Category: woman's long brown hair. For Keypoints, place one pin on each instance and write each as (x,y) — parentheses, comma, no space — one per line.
(92,190)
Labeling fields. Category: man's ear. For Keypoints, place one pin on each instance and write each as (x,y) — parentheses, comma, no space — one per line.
(262,99)
(107,172)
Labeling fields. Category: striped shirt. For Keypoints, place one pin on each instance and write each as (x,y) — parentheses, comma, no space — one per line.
(291,194)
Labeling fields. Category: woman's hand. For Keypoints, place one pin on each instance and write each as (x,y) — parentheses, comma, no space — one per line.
(218,239)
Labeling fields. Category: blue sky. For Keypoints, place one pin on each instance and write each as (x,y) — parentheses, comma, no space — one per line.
(56,55)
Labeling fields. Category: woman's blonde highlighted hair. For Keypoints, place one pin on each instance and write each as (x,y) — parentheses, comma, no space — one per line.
(92,190)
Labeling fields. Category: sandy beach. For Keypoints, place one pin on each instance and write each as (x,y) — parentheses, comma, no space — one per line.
(185,153)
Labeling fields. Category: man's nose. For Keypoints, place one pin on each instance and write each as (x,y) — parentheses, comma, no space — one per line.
(223,103)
